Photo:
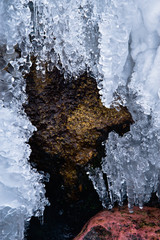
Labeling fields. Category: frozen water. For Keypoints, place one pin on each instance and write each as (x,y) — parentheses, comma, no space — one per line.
(96,36)
(69,29)
(96,176)
(21,188)
(132,163)
(129,68)
(118,42)
(22,193)
(115,27)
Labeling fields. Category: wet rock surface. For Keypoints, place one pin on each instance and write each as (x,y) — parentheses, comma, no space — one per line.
(121,225)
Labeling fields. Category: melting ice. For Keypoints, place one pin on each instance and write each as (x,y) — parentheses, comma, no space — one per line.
(118,42)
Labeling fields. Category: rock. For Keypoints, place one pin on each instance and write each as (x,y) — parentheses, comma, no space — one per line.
(121,225)
(70,119)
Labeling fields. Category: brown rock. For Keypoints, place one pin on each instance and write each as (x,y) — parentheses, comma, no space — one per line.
(70,118)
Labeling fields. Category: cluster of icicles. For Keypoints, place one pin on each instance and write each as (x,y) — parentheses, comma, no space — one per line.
(115,41)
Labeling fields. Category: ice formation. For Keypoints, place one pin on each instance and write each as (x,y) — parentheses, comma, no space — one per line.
(115,26)
(22,193)
(132,164)
(118,42)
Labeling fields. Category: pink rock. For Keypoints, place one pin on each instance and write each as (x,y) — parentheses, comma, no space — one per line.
(119,224)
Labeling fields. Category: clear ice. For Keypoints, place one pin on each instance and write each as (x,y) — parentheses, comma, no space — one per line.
(22,192)
(130,70)
(117,42)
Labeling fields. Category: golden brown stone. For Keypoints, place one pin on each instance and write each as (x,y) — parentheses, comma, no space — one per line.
(70,118)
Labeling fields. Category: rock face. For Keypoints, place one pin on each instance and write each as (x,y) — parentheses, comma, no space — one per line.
(70,118)
(121,225)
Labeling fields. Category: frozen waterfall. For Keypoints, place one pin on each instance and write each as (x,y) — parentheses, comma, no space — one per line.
(117,42)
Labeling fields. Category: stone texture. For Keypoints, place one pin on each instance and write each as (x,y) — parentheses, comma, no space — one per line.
(119,224)
(70,118)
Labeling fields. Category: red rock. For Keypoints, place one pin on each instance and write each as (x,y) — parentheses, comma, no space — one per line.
(122,225)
